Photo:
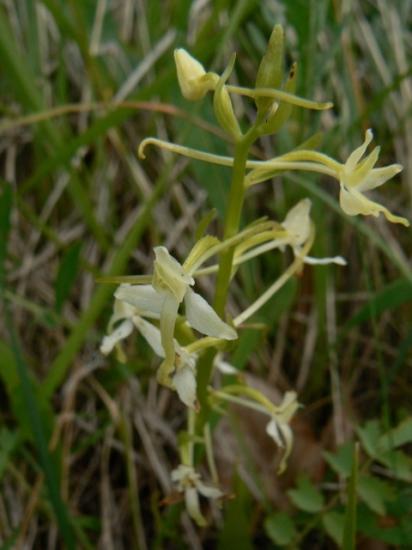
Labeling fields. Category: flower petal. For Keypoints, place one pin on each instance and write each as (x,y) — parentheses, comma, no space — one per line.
(339,260)
(202,317)
(143,297)
(272,429)
(297,222)
(353,202)
(378,176)
(151,334)
(287,436)
(208,491)
(193,507)
(169,275)
(120,333)
(184,381)
(167,327)
(288,407)
(358,153)
(224,367)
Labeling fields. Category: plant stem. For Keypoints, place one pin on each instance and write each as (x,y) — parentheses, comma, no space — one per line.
(231,227)
(232,219)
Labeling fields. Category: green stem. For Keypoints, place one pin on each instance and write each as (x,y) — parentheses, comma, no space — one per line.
(232,219)
(132,483)
(231,227)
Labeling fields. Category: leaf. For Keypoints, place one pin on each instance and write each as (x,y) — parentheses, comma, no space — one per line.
(390,297)
(236,531)
(396,531)
(204,223)
(66,275)
(349,530)
(400,435)
(333,523)
(398,463)
(8,442)
(280,528)
(306,496)
(369,436)
(374,492)
(341,460)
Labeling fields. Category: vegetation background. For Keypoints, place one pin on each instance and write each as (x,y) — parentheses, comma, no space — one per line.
(87,443)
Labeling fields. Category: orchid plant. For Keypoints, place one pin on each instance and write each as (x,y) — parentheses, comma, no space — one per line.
(155,305)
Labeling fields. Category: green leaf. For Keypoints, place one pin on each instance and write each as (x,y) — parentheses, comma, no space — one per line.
(374,492)
(369,436)
(306,496)
(341,461)
(204,223)
(66,275)
(399,464)
(333,523)
(400,435)
(236,531)
(390,297)
(396,534)
(349,530)
(8,442)
(280,528)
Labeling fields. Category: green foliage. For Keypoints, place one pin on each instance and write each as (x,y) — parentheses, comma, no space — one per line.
(350,525)
(306,496)
(280,528)
(66,275)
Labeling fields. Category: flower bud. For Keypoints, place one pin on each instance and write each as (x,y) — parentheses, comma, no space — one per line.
(270,70)
(222,104)
(194,81)
(280,112)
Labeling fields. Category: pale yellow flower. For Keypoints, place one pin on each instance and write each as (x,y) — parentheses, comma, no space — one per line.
(171,285)
(189,482)
(358,176)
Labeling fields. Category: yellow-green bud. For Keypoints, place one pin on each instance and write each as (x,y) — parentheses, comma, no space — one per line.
(194,81)
(222,104)
(280,112)
(270,72)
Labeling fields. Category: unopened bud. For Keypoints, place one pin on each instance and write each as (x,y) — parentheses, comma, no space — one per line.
(222,104)
(194,81)
(280,112)
(270,72)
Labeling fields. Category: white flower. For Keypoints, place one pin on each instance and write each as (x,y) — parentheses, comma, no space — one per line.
(298,228)
(358,176)
(280,415)
(130,317)
(170,287)
(278,427)
(194,81)
(189,482)
(184,377)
